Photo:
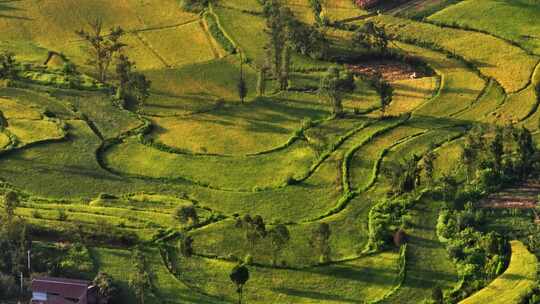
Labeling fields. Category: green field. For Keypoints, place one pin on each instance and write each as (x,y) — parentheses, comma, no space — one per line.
(91,168)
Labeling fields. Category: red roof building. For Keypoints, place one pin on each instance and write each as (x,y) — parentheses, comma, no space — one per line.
(63,291)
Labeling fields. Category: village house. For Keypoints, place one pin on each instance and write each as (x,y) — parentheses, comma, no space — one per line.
(49,290)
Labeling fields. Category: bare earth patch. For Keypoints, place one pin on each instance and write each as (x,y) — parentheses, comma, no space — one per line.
(391,70)
(523,196)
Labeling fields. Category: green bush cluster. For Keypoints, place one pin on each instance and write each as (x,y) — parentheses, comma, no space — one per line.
(385,219)
(479,256)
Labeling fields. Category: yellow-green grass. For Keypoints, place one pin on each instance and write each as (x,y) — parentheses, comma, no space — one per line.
(448,158)
(301,10)
(4,140)
(514,284)
(259,126)
(511,19)
(486,105)
(418,9)
(330,175)
(124,216)
(118,264)
(167,288)
(246,5)
(516,107)
(250,39)
(364,279)
(510,66)
(363,98)
(73,167)
(409,94)
(185,44)
(337,10)
(12,109)
(93,105)
(52,24)
(30,131)
(325,133)
(212,80)
(364,160)
(459,86)
(242,173)
(36,101)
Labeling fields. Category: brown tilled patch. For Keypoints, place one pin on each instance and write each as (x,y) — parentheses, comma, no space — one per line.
(389,69)
(524,196)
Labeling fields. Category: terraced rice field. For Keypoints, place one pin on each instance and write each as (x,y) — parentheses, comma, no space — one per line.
(282,156)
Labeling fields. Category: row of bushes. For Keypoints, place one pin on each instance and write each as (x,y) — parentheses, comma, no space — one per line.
(217,33)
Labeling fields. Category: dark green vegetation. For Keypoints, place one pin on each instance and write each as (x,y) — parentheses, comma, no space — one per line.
(217,151)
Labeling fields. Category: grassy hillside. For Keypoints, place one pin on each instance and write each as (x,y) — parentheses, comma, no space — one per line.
(89,169)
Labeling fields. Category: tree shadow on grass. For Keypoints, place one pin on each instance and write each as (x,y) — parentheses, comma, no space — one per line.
(7,7)
(315,295)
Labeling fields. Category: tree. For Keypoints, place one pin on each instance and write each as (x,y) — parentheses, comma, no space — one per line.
(329,88)
(404,175)
(496,147)
(319,241)
(526,150)
(139,281)
(103,46)
(429,164)
(261,81)
(11,202)
(8,65)
(132,85)
(285,70)
(316,7)
(187,213)
(371,37)
(276,17)
(279,237)
(239,276)
(186,246)
(107,289)
(437,295)
(242,86)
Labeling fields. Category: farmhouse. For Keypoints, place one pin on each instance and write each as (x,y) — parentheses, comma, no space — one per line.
(49,290)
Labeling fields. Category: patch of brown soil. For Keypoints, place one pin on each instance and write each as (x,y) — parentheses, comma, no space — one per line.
(524,196)
(389,69)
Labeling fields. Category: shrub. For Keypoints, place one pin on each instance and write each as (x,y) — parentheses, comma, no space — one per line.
(218,34)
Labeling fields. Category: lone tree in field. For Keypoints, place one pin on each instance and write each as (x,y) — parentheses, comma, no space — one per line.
(279,237)
(103,46)
(242,85)
(132,85)
(320,241)
(371,37)
(329,88)
(186,214)
(239,276)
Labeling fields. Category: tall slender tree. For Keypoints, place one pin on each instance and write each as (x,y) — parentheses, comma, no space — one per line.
(103,46)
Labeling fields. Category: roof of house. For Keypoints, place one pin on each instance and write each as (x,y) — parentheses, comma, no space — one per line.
(67,288)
